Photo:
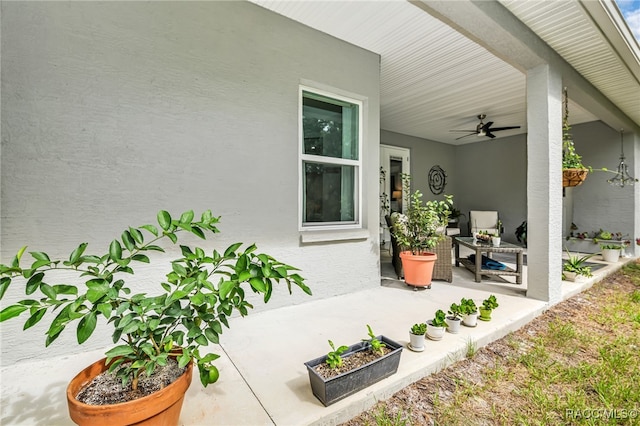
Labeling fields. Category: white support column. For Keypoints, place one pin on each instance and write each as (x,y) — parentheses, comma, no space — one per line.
(544,183)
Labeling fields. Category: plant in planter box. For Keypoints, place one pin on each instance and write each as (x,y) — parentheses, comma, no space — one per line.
(418,231)
(365,363)
(416,337)
(454,318)
(488,305)
(436,326)
(469,312)
(199,294)
(575,266)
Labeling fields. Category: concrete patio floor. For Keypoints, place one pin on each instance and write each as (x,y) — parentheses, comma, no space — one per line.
(263,380)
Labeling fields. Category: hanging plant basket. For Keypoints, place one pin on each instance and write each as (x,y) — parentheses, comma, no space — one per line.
(573,177)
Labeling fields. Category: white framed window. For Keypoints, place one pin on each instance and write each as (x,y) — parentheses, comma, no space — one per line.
(330,160)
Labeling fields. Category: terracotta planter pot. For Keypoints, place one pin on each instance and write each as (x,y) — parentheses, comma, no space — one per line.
(161,408)
(573,177)
(418,268)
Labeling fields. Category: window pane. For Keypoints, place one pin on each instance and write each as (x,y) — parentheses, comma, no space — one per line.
(329,193)
(330,127)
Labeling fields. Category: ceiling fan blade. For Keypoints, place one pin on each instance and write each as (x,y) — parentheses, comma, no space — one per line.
(470,134)
(497,129)
(466,131)
(490,135)
(487,126)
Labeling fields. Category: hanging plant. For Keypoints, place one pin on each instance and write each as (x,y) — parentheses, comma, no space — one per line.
(573,171)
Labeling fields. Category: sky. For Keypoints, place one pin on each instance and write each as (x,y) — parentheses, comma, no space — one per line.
(631,11)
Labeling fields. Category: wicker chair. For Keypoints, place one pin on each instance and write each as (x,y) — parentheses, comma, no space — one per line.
(442,269)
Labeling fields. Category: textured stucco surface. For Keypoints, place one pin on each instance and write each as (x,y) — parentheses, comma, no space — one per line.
(113,111)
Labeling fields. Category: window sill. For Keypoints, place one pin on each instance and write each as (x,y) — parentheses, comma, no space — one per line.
(309,237)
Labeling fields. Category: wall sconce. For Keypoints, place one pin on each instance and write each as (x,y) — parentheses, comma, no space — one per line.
(622,177)
(396,195)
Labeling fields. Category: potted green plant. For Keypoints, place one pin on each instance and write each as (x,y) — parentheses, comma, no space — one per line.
(575,266)
(469,312)
(611,252)
(488,305)
(454,318)
(151,331)
(418,231)
(573,171)
(416,337)
(436,326)
(369,361)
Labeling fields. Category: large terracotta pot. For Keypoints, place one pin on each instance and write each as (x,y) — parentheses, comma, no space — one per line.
(418,268)
(158,409)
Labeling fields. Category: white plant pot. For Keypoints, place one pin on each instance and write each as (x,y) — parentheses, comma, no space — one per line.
(470,320)
(416,342)
(453,325)
(434,333)
(570,276)
(611,255)
(495,241)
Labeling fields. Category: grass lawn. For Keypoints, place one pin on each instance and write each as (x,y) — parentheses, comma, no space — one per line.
(578,363)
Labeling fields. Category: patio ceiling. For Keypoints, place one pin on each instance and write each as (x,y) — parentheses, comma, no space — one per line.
(434,78)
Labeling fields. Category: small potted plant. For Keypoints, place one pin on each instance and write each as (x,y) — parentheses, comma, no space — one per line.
(611,252)
(495,240)
(454,318)
(469,312)
(152,331)
(575,266)
(416,337)
(418,231)
(436,326)
(488,305)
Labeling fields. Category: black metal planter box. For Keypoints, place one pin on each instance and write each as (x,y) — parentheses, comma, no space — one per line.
(336,388)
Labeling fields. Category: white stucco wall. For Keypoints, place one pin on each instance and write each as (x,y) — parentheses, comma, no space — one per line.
(596,204)
(113,111)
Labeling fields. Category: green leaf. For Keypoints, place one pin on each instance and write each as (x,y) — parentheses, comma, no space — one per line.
(151,229)
(202,340)
(4,285)
(38,255)
(225,288)
(212,336)
(34,283)
(179,269)
(35,318)
(258,284)
(86,326)
(128,241)
(65,289)
(119,351)
(136,235)
(232,249)
(198,232)
(11,311)
(171,236)
(75,255)
(187,217)
(48,291)
(105,309)
(115,251)
(97,289)
(140,258)
(164,220)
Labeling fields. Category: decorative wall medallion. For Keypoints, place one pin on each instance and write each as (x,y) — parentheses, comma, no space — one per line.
(437,180)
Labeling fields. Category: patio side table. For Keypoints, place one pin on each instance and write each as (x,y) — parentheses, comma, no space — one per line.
(479,248)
